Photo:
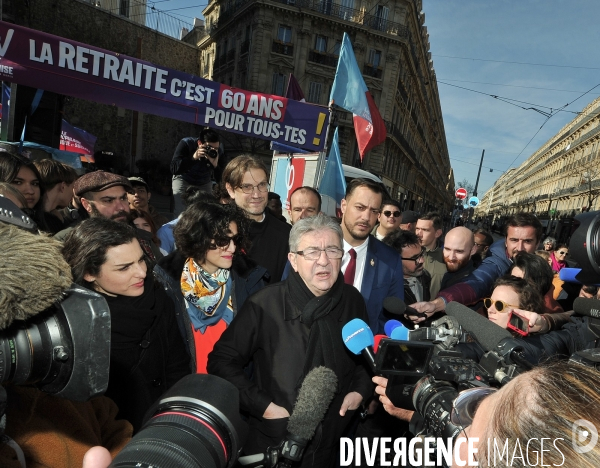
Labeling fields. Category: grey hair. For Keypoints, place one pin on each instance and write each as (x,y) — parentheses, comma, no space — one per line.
(550,240)
(319,222)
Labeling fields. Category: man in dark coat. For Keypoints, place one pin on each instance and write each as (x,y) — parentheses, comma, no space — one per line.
(288,329)
(247,182)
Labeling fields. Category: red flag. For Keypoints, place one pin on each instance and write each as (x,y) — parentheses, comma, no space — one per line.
(294,91)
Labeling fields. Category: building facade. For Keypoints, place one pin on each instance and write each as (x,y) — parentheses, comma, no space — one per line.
(255,45)
(557,182)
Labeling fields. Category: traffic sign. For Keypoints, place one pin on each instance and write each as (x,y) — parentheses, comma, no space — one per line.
(461,193)
(473,202)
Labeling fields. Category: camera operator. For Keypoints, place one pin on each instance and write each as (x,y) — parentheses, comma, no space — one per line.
(547,412)
(195,162)
(42,429)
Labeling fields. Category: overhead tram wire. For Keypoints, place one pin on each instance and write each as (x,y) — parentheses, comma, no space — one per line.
(517,63)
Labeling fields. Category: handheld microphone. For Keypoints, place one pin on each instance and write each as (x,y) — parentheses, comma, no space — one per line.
(396,330)
(491,337)
(359,339)
(390,325)
(315,396)
(587,307)
(397,306)
(570,275)
(376,340)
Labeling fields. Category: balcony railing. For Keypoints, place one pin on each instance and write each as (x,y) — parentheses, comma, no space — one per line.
(322,58)
(328,8)
(370,70)
(284,48)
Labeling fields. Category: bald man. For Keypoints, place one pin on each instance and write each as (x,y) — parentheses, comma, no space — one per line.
(459,246)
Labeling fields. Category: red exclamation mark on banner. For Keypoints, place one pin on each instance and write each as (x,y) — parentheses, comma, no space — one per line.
(320,122)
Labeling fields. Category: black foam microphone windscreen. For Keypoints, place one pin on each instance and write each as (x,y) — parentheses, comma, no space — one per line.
(314,398)
(487,333)
(394,305)
(587,307)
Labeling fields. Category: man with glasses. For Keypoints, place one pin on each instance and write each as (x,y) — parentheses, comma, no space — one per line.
(417,280)
(288,329)
(389,219)
(483,242)
(245,179)
(368,264)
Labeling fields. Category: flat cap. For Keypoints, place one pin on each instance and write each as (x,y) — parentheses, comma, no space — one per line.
(409,217)
(138,181)
(98,181)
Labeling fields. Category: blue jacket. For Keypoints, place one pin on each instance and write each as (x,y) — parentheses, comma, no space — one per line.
(382,277)
(478,284)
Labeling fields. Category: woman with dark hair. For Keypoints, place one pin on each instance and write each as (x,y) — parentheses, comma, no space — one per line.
(537,271)
(143,220)
(21,173)
(512,294)
(559,257)
(147,353)
(209,275)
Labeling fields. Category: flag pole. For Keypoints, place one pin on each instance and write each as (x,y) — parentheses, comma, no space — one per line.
(323,154)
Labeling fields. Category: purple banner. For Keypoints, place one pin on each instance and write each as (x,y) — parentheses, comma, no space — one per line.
(52,63)
(76,140)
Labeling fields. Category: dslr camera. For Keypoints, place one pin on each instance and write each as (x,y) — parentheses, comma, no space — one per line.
(210,152)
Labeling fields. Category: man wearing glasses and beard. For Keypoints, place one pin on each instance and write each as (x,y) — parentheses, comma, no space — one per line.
(417,280)
(389,219)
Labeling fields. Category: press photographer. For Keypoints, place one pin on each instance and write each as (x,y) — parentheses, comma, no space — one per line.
(195,162)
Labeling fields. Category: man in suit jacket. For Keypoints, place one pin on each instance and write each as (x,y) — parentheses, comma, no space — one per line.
(376,269)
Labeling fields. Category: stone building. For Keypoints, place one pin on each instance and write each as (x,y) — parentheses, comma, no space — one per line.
(557,182)
(255,45)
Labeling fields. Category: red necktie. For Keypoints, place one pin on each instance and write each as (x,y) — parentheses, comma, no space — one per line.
(351,268)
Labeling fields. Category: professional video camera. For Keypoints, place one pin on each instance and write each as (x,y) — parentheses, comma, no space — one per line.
(53,334)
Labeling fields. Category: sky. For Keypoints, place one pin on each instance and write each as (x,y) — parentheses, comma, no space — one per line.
(544,53)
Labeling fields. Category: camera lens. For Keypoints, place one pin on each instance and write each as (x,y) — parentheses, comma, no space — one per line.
(433,400)
(195,424)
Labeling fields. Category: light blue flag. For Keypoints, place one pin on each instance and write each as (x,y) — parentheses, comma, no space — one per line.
(333,184)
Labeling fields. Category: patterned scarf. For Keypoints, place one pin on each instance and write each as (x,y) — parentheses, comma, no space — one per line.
(207,297)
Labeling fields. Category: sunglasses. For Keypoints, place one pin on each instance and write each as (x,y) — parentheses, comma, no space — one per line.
(466,403)
(223,242)
(562,252)
(395,214)
(499,305)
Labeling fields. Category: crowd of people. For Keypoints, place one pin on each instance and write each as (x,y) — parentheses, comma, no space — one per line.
(234,288)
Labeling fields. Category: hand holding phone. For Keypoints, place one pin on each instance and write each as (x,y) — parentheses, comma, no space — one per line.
(518,324)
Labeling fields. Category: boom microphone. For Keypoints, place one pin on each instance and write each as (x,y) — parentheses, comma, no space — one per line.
(587,307)
(397,306)
(490,336)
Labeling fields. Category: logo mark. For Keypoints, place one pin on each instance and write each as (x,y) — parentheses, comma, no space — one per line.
(584,437)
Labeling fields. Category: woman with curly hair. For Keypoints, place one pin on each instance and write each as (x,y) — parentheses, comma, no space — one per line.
(209,275)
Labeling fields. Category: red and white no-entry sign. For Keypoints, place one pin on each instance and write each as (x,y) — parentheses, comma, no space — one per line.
(461,193)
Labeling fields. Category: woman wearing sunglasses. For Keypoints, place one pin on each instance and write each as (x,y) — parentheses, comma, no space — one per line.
(512,294)
(209,275)
(559,257)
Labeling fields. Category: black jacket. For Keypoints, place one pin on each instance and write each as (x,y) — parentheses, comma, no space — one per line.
(270,245)
(195,171)
(268,330)
(248,278)
(425,280)
(141,372)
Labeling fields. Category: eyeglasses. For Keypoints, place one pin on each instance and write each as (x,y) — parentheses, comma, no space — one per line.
(224,242)
(395,214)
(416,258)
(499,305)
(249,188)
(466,403)
(562,252)
(333,253)
(481,245)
